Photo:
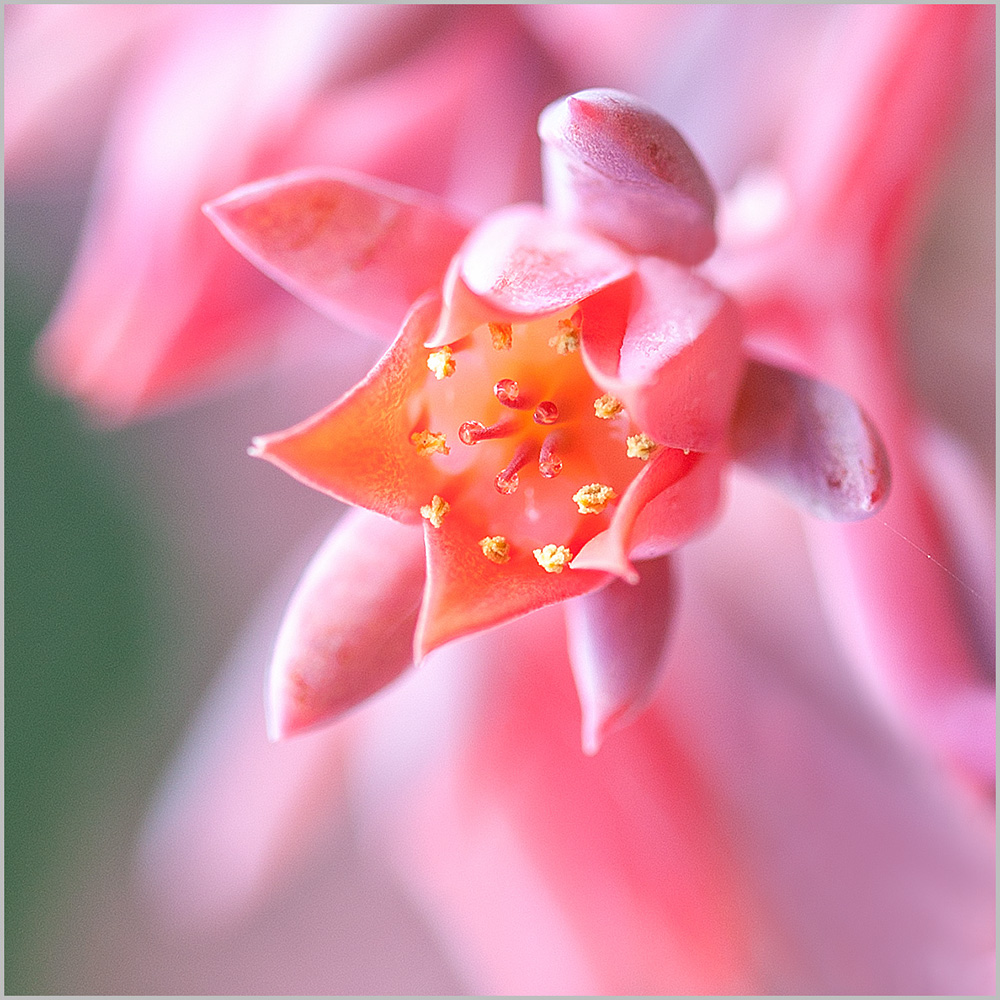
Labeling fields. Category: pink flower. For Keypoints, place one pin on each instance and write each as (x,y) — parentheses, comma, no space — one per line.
(157,309)
(782,819)
(806,805)
(563,406)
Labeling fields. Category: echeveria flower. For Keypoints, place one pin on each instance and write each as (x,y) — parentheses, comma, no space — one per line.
(557,408)
(157,309)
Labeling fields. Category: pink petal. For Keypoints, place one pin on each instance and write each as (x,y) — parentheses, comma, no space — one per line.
(523,262)
(159,306)
(236,813)
(61,62)
(857,155)
(156,299)
(614,165)
(812,442)
(677,367)
(348,629)
(672,498)
(966,508)
(361,251)
(554,873)
(617,637)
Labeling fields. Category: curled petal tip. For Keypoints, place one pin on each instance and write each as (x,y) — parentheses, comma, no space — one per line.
(812,442)
(615,165)
(599,723)
(617,637)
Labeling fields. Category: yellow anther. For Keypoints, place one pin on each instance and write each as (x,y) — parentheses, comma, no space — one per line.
(640,446)
(607,406)
(496,548)
(593,498)
(435,510)
(567,340)
(552,558)
(503,336)
(442,363)
(428,443)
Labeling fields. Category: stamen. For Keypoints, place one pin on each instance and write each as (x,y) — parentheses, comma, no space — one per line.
(593,498)
(549,463)
(567,340)
(506,481)
(546,412)
(441,363)
(472,431)
(428,443)
(552,558)
(640,446)
(509,393)
(503,336)
(435,510)
(606,406)
(496,548)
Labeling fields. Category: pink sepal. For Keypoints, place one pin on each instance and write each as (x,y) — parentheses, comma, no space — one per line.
(348,629)
(812,442)
(614,165)
(359,250)
(617,637)
(677,366)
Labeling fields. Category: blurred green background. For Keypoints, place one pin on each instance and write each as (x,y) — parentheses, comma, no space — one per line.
(84,629)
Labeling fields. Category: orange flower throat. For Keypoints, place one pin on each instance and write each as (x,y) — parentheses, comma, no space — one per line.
(533,453)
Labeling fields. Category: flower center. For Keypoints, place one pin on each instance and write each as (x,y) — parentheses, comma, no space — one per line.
(526,429)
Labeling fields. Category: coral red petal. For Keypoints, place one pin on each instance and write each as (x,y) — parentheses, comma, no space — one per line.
(812,442)
(617,636)
(357,249)
(672,498)
(466,592)
(358,450)
(614,165)
(678,366)
(348,629)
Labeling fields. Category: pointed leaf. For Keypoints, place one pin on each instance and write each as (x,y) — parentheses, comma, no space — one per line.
(617,636)
(358,450)
(348,629)
(467,593)
(812,442)
(361,251)
(614,165)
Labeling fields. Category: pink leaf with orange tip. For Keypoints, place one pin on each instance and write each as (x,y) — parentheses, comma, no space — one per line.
(357,249)
(348,629)
(616,166)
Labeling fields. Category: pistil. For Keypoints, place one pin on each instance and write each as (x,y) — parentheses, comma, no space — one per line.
(549,462)
(506,481)
(472,431)
(546,412)
(508,392)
